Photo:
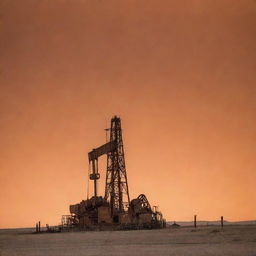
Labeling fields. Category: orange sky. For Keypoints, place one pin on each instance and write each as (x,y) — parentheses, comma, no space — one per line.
(180,74)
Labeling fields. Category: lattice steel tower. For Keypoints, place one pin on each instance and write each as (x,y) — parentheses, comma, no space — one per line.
(116,190)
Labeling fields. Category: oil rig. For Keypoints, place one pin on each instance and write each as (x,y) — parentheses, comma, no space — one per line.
(114,210)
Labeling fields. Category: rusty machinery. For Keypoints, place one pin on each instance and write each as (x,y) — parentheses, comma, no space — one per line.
(115,208)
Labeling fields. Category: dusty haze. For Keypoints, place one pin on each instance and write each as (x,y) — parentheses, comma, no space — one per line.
(180,74)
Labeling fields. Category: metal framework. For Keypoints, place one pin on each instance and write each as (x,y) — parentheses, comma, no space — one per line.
(116,207)
(116,190)
(93,158)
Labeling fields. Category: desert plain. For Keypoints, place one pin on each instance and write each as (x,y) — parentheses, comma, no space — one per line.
(237,240)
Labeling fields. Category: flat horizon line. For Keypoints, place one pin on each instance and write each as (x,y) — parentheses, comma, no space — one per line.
(168,221)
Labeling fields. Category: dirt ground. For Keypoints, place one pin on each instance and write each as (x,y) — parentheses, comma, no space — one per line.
(232,240)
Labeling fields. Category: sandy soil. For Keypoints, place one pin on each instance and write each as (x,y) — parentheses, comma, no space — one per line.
(233,240)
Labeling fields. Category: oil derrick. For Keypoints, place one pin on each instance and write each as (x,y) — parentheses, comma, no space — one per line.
(114,210)
(116,189)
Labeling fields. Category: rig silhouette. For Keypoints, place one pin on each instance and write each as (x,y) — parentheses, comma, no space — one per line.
(115,210)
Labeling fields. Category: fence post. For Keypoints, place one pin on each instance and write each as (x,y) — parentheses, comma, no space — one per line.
(195,221)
